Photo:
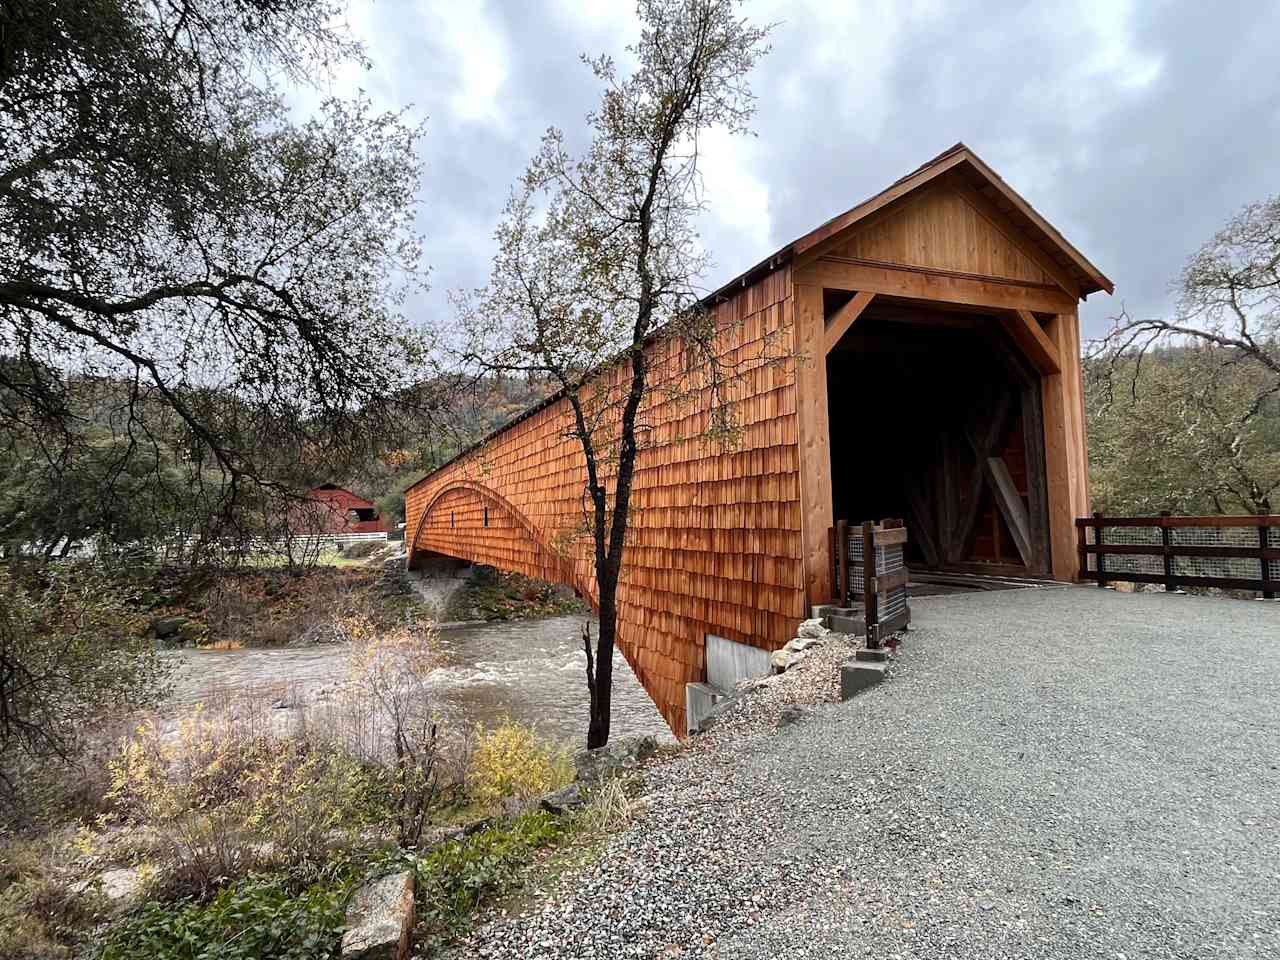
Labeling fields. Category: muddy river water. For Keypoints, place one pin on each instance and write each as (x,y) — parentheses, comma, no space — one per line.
(532,671)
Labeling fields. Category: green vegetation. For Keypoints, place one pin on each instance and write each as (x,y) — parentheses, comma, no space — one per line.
(255,918)
(1192,430)
(244,839)
(457,878)
(498,595)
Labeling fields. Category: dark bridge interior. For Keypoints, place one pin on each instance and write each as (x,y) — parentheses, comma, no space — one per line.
(935,418)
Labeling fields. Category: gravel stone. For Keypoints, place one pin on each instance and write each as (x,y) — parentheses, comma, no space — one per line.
(1049,773)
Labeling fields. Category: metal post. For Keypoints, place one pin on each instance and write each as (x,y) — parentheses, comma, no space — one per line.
(833,564)
(1102,557)
(1166,540)
(870,601)
(1264,542)
(842,538)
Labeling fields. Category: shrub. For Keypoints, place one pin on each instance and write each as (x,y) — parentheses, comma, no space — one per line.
(71,655)
(256,918)
(456,877)
(510,761)
(39,914)
(224,803)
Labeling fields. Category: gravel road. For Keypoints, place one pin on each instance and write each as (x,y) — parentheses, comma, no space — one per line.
(1048,773)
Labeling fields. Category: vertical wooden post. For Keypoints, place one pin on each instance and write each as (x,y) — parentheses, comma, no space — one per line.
(1066,473)
(842,542)
(1082,554)
(1102,557)
(1264,543)
(870,601)
(1166,540)
(809,340)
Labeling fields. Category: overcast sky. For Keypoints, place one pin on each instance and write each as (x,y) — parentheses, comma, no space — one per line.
(1135,128)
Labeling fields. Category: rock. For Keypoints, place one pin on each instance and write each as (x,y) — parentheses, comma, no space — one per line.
(784,659)
(563,800)
(813,629)
(791,714)
(801,644)
(315,634)
(119,887)
(165,628)
(380,919)
(620,754)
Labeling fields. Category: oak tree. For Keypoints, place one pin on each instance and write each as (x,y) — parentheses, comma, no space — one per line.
(598,257)
(185,265)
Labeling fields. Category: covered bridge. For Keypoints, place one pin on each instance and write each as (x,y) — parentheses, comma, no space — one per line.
(934,375)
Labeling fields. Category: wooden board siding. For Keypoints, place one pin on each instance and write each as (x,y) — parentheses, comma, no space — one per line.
(946,245)
(715,540)
(940,228)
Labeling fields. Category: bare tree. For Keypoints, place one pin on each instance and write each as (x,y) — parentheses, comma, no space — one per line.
(599,256)
(1218,366)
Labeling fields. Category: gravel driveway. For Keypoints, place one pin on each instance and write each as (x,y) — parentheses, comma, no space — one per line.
(1050,773)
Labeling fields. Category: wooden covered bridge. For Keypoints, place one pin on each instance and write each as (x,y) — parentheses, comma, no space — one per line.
(933,375)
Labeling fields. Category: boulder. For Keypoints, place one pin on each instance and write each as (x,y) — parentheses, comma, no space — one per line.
(120,887)
(191,631)
(564,800)
(784,659)
(801,644)
(812,629)
(166,628)
(623,753)
(380,918)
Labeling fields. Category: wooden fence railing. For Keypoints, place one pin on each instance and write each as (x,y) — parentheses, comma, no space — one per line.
(1229,553)
(868,566)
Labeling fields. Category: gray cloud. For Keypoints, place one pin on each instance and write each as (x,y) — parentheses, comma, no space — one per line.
(1136,131)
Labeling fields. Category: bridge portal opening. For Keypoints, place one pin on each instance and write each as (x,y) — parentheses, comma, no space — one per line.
(936,418)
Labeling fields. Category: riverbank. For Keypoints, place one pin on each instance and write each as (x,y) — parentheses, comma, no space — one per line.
(530,671)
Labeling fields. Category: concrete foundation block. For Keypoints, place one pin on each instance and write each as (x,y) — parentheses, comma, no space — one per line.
(867,655)
(850,625)
(700,700)
(858,676)
(730,662)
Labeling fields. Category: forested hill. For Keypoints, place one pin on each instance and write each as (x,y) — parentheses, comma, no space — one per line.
(470,413)
(1193,430)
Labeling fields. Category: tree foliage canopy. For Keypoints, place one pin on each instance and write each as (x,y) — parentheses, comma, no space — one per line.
(230,279)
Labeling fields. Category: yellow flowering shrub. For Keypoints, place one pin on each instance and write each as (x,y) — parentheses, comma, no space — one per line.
(512,761)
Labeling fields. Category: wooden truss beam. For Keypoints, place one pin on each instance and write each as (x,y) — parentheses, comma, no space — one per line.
(845,317)
(939,286)
(1026,332)
(1005,494)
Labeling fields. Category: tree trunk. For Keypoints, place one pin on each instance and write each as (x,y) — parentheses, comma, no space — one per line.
(602,678)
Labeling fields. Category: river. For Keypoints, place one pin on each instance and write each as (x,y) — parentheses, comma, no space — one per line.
(532,671)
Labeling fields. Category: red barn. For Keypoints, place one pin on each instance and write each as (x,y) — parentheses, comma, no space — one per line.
(342,511)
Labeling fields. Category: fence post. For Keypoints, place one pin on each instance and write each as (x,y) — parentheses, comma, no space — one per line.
(833,563)
(842,538)
(1082,552)
(1102,557)
(1166,541)
(870,601)
(1264,543)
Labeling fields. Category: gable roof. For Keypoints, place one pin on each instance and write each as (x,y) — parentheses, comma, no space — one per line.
(958,160)
(333,492)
